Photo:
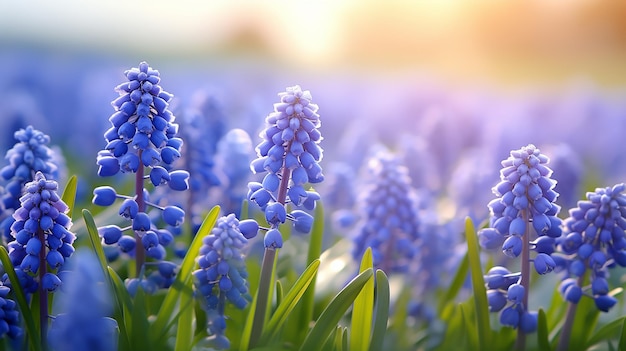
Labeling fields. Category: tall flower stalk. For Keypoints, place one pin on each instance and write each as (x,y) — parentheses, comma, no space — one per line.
(594,241)
(43,241)
(523,219)
(142,140)
(289,155)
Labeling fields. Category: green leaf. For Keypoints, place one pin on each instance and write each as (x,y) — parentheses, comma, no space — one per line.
(159,328)
(124,306)
(363,310)
(279,293)
(95,241)
(622,338)
(607,331)
(139,324)
(334,311)
(469,325)
(184,333)
(32,332)
(69,194)
(478,285)
(381,311)
(543,340)
(290,300)
(315,250)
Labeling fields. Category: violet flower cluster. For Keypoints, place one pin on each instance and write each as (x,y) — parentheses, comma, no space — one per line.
(221,276)
(525,197)
(28,156)
(290,154)
(142,139)
(9,315)
(594,241)
(390,224)
(43,241)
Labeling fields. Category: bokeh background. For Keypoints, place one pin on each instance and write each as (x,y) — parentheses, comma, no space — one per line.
(451,86)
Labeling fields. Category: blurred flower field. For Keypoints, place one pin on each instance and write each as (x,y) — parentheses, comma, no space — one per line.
(223,205)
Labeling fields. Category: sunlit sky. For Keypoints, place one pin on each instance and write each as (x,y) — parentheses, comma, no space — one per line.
(529,40)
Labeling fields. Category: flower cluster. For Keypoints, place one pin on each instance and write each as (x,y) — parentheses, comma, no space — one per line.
(143,135)
(143,131)
(41,232)
(222,273)
(28,156)
(234,152)
(525,197)
(503,289)
(290,155)
(594,240)
(9,320)
(85,301)
(390,226)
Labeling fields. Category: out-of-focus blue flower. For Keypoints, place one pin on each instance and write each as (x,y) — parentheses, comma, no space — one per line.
(390,224)
(222,274)
(28,156)
(290,154)
(9,316)
(234,153)
(569,173)
(594,239)
(83,307)
(41,231)
(340,195)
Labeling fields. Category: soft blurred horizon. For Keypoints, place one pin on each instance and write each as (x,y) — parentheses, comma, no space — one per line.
(530,42)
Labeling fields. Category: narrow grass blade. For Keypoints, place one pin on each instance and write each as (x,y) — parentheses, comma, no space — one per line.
(184,332)
(124,307)
(381,311)
(543,340)
(32,332)
(290,301)
(478,286)
(334,311)
(315,250)
(95,240)
(607,331)
(363,310)
(169,303)
(622,338)
(69,194)
(279,293)
(139,324)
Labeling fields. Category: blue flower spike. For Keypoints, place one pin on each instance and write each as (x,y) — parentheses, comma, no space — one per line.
(524,218)
(221,277)
(142,140)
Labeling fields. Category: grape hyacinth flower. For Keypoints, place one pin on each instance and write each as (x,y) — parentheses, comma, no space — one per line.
(142,140)
(84,305)
(28,156)
(525,199)
(9,316)
(390,226)
(234,153)
(290,156)
(221,277)
(43,241)
(594,241)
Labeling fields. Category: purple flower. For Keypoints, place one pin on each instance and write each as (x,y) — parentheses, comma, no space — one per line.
(222,273)
(290,154)
(41,231)
(594,239)
(390,226)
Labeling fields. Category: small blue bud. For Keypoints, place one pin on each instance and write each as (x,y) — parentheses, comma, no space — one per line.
(173,215)
(273,239)
(104,196)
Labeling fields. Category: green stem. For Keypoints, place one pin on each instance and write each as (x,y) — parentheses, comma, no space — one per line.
(263,295)
(140,255)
